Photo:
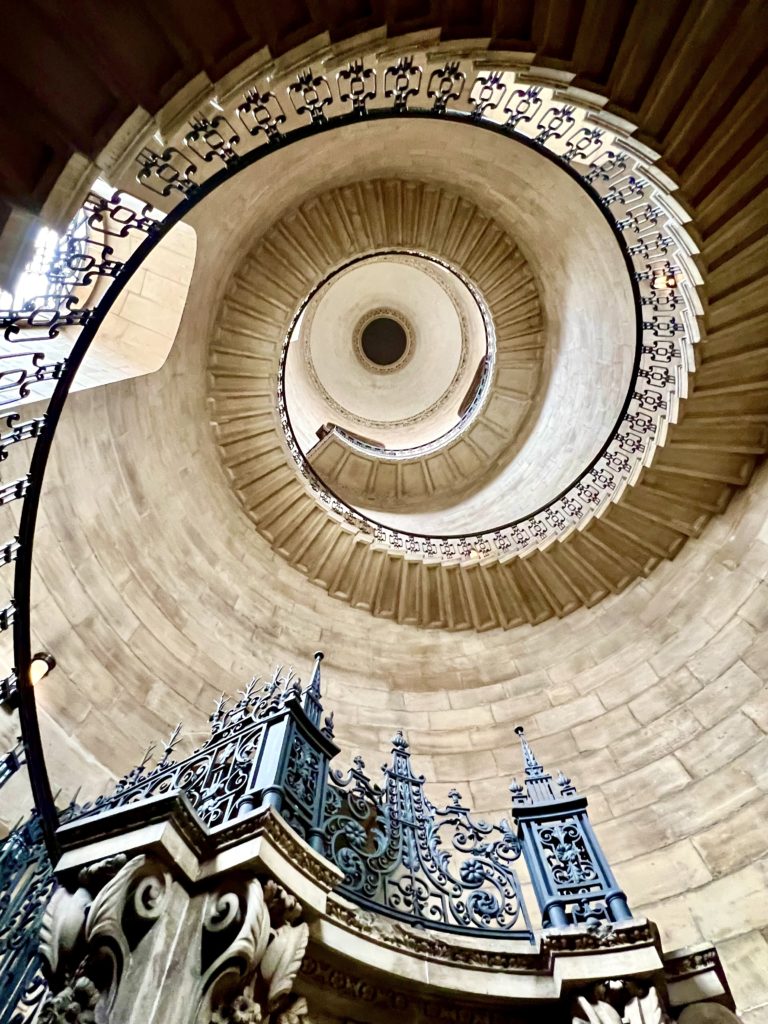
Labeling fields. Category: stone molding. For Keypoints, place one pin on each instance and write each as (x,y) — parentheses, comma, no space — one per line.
(260,900)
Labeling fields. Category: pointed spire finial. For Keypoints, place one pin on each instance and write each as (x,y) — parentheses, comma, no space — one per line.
(529,758)
(312,694)
(314,682)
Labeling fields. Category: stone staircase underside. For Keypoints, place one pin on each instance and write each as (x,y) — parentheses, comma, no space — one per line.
(290,260)
(691,76)
(709,453)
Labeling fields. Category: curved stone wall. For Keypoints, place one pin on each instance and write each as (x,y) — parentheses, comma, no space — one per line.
(156,593)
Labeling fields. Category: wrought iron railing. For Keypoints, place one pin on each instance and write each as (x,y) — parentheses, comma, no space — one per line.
(26,884)
(587,143)
(401,855)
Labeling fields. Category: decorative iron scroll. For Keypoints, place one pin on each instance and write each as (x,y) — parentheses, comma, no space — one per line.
(435,866)
(26,883)
(258,752)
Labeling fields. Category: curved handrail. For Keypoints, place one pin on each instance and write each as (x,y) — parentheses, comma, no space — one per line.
(482,390)
(174,171)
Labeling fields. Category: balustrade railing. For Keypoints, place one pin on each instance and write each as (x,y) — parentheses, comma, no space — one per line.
(440,868)
(400,854)
(91,266)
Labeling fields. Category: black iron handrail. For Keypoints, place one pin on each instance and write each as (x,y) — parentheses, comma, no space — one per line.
(176,172)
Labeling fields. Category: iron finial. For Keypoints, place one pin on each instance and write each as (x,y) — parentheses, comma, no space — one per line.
(529,758)
(399,742)
(312,694)
(314,682)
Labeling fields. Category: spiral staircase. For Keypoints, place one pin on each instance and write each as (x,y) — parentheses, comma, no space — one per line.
(705,448)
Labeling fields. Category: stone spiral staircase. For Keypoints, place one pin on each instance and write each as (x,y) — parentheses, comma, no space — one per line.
(366,217)
(691,77)
(651,523)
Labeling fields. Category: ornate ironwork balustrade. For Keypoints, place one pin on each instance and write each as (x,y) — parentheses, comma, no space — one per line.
(434,867)
(400,854)
(46,340)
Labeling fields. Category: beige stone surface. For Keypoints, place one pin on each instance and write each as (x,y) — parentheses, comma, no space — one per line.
(155,594)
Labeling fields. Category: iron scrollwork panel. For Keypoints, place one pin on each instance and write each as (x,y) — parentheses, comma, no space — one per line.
(433,866)
(26,883)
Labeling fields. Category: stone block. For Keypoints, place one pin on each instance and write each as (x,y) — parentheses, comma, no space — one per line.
(464,764)
(593,769)
(736,841)
(530,682)
(667,872)
(732,905)
(513,711)
(601,732)
(652,742)
(722,650)
(675,921)
(755,609)
(715,701)
(476,695)
(727,590)
(757,656)
(757,709)
(664,696)
(437,700)
(624,660)
(720,745)
(556,719)
(683,645)
(646,785)
(460,719)
(626,685)
(754,764)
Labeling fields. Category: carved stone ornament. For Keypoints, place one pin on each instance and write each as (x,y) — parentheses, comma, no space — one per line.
(620,1002)
(252,948)
(87,936)
(75,1004)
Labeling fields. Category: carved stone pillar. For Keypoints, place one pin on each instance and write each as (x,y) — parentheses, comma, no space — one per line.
(132,945)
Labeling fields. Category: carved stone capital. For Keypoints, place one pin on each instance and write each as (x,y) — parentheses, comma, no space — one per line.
(252,947)
(620,1001)
(86,936)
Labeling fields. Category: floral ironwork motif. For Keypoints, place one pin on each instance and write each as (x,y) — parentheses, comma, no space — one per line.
(435,866)
(185,168)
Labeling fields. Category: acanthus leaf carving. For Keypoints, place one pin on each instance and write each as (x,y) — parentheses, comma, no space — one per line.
(105,916)
(258,946)
(244,953)
(620,1001)
(282,960)
(62,924)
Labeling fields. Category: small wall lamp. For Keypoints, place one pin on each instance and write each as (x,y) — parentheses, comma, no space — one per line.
(42,663)
(39,667)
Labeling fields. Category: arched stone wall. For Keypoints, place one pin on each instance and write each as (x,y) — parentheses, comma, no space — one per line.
(155,593)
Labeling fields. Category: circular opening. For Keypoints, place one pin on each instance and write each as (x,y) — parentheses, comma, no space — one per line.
(383,341)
